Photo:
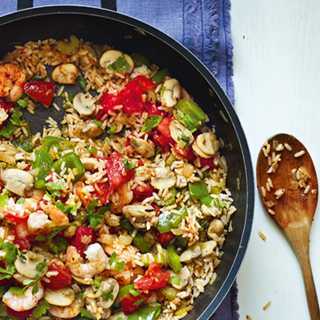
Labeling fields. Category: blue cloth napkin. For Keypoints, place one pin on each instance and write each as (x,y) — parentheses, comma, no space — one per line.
(203,26)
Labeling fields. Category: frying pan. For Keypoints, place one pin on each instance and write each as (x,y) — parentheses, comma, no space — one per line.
(130,35)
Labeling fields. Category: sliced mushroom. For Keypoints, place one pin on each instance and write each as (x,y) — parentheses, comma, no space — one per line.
(198,152)
(28,267)
(184,277)
(207,248)
(61,297)
(111,56)
(164,178)
(7,153)
(65,73)
(215,229)
(138,214)
(171,94)
(112,286)
(86,281)
(117,143)
(17,181)
(118,315)
(92,130)
(143,173)
(35,193)
(207,143)
(115,126)
(180,134)
(191,253)
(90,163)
(84,103)
(143,147)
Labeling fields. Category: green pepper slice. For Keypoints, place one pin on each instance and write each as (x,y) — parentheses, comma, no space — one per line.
(168,220)
(159,76)
(43,163)
(146,312)
(189,113)
(198,189)
(123,292)
(139,60)
(73,162)
(61,143)
(174,259)
(23,141)
(164,203)
(140,243)
(124,223)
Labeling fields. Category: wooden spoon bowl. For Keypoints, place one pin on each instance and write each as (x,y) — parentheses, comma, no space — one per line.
(288,187)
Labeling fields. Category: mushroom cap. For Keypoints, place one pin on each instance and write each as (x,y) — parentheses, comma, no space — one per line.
(61,297)
(172,93)
(84,103)
(164,178)
(17,181)
(111,56)
(28,267)
(65,73)
(143,147)
(9,153)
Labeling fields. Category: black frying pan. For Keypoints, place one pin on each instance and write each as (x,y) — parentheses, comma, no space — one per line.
(106,26)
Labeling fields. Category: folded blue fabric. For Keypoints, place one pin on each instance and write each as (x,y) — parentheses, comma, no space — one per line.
(202,26)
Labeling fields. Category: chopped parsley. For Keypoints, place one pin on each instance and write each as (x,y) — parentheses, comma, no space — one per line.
(186,140)
(97,123)
(112,129)
(4,200)
(85,313)
(41,266)
(107,295)
(120,64)
(135,293)
(114,264)
(134,142)
(21,200)
(70,96)
(41,309)
(7,130)
(22,103)
(96,283)
(174,280)
(128,165)
(163,89)
(95,217)
(80,294)
(12,253)
(137,303)
(151,122)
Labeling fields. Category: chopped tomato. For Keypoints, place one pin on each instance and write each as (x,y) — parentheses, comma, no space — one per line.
(16,218)
(164,238)
(156,209)
(102,190)
(131,101)
(117,174)
(84,237)
(28,167)
(209,162)
(152,109)
(108,102)
(154,278)
(17,314)
(142,192)
(5,105)
(61,280)
(129,303)
(144,83)
(161,136)
(188,154)
(22,243)
(41,91)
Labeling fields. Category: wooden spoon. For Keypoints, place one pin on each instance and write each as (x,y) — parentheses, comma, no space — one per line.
(288,187)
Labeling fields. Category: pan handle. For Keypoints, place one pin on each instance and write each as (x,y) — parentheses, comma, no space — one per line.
(106,4)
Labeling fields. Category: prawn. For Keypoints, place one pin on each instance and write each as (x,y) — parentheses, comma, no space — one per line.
(97,261)
(23,302)
(120,197)
(38,222)
(12,79)
(67,312)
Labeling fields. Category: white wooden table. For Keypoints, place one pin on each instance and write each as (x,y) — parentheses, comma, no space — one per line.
(277,89)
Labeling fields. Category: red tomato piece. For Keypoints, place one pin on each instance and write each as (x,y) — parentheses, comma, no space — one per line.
(142,192)
(117,174)
(152,109)
(102,190)
(164,238)
(131,101)
(41,91)
(209,162)
(129,302)
(188,154)
(5,105)
(108,102)
(144,83)
(16,218)
(154,278)
(61,280)
(17,314)
(82,244)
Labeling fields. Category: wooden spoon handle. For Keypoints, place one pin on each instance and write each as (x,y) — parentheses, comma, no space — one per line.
(309,285)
